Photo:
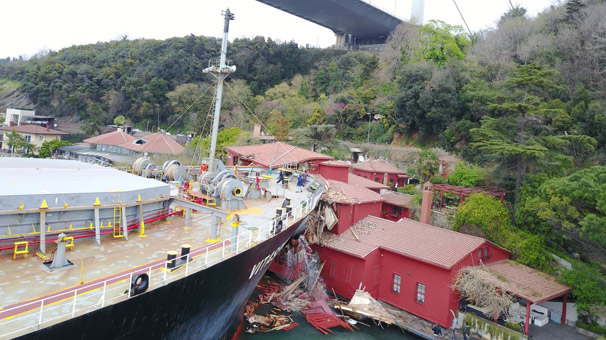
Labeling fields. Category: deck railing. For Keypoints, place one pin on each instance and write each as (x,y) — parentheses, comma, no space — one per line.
(40,313)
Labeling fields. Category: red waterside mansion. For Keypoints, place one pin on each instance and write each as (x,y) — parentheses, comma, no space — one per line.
(408,264)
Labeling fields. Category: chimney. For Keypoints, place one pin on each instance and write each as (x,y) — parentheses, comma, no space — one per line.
(47,128)
(426,203)
(257,130)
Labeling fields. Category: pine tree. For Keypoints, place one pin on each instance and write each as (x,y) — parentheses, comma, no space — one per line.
(573,12)
(513,139)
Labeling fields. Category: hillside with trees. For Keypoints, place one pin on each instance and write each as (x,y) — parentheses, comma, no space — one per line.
(524,102)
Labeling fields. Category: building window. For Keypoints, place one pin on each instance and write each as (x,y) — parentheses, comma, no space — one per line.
(332,269)
(397,280)
(391,180)
(348,274)
(396,211)
(420,293)
(28,138)
(479,253)
(40,138)
(486,252)
(377,179)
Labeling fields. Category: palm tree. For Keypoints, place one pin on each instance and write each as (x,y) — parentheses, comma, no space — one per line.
(427,165)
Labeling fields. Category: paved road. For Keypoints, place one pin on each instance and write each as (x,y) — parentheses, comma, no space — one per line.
(554,331)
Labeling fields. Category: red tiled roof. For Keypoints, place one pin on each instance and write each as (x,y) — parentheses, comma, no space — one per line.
(155,143)
(160,143)
(264,154)
(378,166)
(352,194)
(442,247)
(398,199)
(337,164)
(528,283)
(112,138)
(361,181)
(33,129)
(522,281)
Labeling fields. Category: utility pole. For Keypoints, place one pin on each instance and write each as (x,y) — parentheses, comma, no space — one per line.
(369,115)
(158,113)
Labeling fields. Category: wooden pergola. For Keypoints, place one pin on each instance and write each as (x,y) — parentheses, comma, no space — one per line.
(533,286)
(466,191)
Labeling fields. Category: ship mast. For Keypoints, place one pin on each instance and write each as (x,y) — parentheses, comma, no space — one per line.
(221,71)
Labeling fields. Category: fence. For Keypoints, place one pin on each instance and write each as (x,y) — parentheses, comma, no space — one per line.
(62,306)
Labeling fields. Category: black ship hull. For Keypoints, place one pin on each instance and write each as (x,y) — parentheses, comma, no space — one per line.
(208,304)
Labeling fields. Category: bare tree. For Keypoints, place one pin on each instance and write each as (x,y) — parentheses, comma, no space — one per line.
(478,285)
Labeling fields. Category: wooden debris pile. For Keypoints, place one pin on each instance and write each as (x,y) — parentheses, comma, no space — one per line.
(332,196)
(273,320)
(305,294)
(362,304)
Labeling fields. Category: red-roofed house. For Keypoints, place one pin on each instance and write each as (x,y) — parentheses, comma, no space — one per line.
(122,143)
(160,143)
(34,134)
(111,138)
(380,172)
(407,263)
(368,184)
(274,155)
(396,206)
(352,203)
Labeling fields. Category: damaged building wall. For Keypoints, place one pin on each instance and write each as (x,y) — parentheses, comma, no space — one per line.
(342,272)
(351,214)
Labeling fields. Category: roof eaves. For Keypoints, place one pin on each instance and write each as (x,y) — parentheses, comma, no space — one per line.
(417,258)
(372,250)
(345,251)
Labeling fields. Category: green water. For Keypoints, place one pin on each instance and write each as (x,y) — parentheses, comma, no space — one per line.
(305,331)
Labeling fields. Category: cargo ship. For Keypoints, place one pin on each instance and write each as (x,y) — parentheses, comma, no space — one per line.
(90,252)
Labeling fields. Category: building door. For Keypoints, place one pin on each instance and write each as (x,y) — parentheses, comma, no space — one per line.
(376,272)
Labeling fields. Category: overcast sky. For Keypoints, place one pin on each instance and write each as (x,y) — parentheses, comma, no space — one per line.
(29,26)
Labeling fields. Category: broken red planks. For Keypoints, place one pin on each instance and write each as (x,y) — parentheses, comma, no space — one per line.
(291,326)
(324,321)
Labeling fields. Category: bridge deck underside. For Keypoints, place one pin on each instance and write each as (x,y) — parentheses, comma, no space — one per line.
(341,16)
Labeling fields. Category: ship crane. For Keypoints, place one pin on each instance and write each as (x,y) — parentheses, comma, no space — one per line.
(221,71)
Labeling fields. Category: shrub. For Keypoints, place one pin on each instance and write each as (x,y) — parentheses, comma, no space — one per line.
(485,213)
(468,175)
(593,327)
(408,189)
(438,180)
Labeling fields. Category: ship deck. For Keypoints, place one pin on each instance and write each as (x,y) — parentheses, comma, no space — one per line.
(32,297)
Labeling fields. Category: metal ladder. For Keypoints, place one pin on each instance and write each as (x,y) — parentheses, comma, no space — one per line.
(117,215)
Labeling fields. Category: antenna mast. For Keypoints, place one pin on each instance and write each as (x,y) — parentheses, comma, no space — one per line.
(220,70)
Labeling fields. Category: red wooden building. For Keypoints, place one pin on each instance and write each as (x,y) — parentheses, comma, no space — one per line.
(381,172)
(352,203)
(335,170)
(274,155)
(396,206)
(408,264)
